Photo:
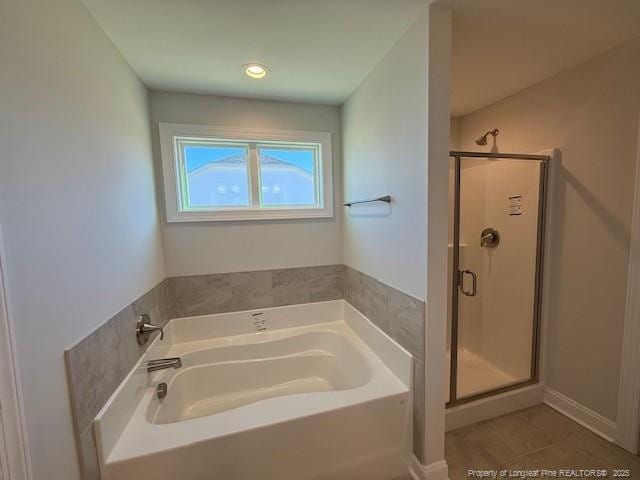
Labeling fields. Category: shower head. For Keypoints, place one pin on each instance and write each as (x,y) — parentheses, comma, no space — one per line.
(483,139)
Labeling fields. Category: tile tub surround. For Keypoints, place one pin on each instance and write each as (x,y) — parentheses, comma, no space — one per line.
(365,415)
(98,364)
(228,292)
(400,316)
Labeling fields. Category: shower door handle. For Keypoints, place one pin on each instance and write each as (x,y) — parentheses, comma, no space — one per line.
(474,283)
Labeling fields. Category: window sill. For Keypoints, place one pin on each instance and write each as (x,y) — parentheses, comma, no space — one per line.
(240,215)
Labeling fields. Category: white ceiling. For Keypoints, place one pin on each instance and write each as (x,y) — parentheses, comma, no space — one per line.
(503,46)
(320,50)
(317,50)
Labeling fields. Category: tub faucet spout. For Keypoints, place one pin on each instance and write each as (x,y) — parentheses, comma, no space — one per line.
(163,363)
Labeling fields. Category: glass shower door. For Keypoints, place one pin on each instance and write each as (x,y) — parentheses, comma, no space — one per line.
(497,251)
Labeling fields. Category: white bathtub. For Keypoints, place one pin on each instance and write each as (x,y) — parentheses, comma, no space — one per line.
(320,393)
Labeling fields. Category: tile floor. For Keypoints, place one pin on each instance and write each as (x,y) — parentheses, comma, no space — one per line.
(535,438)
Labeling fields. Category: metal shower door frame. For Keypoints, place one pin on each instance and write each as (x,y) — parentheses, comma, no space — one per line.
(537,305)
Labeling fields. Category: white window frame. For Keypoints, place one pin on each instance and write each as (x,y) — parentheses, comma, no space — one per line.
(171,159)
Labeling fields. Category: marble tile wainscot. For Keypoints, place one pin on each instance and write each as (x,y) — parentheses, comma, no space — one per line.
(400,316)
(97,365)
(227,292)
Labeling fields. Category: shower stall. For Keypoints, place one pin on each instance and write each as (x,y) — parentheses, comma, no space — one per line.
(496,236)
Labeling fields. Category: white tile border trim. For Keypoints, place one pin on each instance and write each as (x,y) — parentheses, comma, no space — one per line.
(628,418)
(434,471)
(579,413)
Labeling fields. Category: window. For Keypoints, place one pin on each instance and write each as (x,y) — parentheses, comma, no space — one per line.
(213,173)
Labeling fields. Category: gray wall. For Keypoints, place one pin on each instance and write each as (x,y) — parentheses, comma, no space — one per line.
(385,151)
(77,202)
(100,362)
(590,113)
(206,248)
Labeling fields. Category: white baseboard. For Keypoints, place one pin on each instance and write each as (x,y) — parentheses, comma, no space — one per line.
(434,471)
(491,407)
(579,413)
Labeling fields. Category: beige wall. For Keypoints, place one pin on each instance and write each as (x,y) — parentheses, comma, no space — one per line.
(454,133)
(590,113)
(192,248)
(77,202)
(385,150)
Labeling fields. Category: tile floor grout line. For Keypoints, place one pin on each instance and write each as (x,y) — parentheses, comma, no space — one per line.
(472,449)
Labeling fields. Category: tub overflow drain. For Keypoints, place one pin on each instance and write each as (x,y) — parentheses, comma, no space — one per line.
(161,391)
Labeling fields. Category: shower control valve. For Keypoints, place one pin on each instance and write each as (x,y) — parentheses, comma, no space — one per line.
(489,238)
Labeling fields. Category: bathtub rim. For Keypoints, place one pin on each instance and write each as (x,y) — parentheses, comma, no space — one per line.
(127,398)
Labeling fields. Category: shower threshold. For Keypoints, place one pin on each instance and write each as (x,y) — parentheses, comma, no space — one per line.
(477,375)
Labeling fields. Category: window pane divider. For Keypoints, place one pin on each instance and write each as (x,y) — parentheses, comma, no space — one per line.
(254,176)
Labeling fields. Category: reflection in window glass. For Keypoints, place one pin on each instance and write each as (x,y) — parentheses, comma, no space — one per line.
(216,176)
(287,176)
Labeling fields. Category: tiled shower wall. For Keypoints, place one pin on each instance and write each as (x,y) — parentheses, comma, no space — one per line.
(99,363)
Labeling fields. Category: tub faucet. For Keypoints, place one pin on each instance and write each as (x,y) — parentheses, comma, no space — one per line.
(163,363)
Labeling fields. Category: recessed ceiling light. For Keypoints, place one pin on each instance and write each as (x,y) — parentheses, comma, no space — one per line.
(255,70)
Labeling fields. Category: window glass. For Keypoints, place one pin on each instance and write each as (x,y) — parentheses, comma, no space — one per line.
(216,176)
(288,176)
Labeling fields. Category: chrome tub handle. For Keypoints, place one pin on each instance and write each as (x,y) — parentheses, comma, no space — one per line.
(144,328)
